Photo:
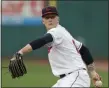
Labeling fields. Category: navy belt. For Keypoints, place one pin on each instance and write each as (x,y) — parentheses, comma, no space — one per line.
(63,75)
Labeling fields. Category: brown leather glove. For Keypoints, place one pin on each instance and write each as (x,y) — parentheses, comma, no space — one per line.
(16,66)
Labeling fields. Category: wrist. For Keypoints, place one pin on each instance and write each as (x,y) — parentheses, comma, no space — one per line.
(93,74)
(91,70)
(20,52)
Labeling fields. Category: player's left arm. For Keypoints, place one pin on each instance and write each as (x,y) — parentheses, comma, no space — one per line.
(88,59)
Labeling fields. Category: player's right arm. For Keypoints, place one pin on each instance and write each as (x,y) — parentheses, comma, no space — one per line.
(47,38)
(17,60)
(52,36)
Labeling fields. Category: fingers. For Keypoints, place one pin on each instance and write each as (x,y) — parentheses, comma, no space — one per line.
(97,77)
(98,84)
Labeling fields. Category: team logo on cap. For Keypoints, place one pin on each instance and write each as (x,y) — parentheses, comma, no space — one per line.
(48,9)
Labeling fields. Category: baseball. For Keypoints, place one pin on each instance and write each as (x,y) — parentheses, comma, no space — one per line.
(98,83)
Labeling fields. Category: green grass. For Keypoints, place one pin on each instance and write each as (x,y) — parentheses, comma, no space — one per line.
(39,75)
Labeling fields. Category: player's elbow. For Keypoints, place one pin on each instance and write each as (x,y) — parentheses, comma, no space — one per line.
(86,55)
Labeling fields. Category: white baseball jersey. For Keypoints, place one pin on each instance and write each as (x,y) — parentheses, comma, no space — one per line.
(63,52)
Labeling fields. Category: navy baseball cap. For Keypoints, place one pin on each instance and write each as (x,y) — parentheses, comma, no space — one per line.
(49,10)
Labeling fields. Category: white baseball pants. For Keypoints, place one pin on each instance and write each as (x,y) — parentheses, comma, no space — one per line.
(79,78)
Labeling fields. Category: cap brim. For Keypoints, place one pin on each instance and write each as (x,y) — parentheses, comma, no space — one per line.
(49,13)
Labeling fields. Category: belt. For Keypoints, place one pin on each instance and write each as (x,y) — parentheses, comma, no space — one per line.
(63,75)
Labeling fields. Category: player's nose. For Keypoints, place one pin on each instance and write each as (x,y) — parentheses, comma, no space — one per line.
(50,20)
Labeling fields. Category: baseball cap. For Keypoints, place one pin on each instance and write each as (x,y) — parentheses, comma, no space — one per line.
(49,10)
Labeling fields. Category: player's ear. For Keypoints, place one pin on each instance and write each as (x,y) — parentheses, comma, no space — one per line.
(58,19)
(42,21)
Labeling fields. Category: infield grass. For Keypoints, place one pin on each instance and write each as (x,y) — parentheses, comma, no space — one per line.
(39,75)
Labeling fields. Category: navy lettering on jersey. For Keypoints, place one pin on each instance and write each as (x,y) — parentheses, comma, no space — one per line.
(49,49)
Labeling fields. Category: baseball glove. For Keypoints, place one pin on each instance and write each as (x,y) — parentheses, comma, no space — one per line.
(16,66)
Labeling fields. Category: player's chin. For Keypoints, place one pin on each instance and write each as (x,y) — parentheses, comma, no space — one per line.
(51,26)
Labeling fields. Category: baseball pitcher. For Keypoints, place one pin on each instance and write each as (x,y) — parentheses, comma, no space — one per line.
(69,59)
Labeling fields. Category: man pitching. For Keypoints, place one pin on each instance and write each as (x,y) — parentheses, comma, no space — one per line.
(69,59)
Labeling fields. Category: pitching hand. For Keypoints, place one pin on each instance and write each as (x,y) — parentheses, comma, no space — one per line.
(96,79)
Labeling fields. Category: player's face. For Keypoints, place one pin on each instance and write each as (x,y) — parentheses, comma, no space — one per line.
(50,21)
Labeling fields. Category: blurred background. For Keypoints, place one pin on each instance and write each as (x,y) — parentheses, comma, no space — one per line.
(87,21)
